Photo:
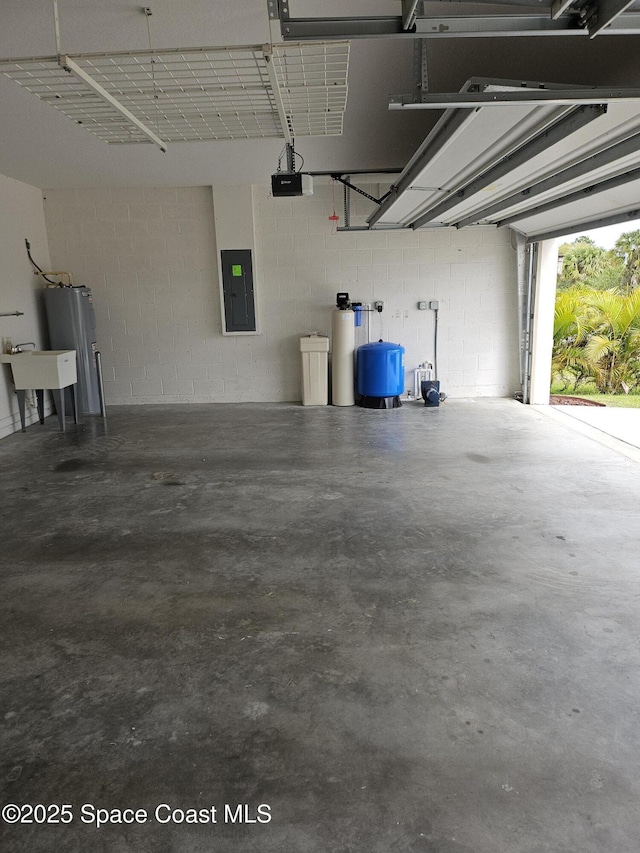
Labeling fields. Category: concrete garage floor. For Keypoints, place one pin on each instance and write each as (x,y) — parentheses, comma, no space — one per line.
(413,630)
(601,423)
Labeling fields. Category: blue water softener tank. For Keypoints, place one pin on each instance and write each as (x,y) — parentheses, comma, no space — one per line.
(380,375)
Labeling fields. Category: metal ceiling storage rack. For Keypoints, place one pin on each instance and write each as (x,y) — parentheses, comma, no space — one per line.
(184,95)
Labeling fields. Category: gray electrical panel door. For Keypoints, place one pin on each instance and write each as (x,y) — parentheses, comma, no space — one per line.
(237,286)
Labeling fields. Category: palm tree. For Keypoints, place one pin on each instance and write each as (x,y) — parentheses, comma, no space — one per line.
(582,261)
(569,336)
(627,248)
(612,348)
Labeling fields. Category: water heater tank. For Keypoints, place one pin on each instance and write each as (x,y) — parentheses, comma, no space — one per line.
(380,375)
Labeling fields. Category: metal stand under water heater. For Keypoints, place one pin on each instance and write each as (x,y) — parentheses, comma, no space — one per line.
(72,325)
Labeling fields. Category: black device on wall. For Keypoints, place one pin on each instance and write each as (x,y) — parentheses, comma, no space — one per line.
(237,287)
(285,184)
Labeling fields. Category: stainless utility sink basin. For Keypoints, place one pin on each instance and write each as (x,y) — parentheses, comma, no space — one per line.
(36,369)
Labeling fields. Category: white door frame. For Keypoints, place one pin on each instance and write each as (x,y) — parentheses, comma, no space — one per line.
(542,332)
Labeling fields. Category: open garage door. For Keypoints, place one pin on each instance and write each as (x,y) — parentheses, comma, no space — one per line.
(541,158)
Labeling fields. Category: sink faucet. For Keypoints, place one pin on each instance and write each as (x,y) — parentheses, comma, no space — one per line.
(18,347)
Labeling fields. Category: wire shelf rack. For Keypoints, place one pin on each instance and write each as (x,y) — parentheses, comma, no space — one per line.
(197,93)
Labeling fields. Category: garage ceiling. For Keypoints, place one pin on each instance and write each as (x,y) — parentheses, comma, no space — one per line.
(39,145)
(455,42)
(530,155)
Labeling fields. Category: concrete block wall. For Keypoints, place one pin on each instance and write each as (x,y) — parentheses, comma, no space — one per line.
(471,272)
(21,216)
(150,257)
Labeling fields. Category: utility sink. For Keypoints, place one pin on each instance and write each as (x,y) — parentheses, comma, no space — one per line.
(40,369)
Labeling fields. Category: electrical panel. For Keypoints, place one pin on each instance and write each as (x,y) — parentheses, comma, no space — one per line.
(237,286)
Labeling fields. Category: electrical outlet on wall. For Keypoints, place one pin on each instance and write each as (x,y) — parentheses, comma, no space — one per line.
(379,305)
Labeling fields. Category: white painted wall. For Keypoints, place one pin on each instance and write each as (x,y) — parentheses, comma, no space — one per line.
(150,257)
(21,216)
(235,229)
